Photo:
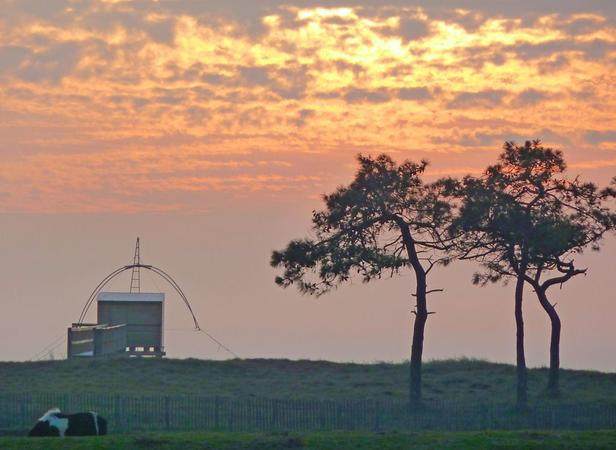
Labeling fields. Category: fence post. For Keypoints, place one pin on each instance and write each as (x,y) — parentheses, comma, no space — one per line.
(338,415)
(230,416)
(322,411)
(22,411)
(377,416)
(217,413)
(274,414)
(167,412)
(553,416)
(116,412)
(484,416)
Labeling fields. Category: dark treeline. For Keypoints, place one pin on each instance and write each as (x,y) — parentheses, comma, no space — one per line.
(521,219)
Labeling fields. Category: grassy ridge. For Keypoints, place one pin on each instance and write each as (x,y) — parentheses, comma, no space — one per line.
(325,441)
(452,380)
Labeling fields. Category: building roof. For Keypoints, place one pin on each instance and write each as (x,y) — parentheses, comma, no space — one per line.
(96,326)
(130,297)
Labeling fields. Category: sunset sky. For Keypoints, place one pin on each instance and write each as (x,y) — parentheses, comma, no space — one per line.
(212,128)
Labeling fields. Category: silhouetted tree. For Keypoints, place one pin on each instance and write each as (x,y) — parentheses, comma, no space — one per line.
(523,219)
(387,219)
(491,228)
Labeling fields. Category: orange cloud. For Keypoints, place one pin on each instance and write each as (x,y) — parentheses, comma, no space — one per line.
(117,100)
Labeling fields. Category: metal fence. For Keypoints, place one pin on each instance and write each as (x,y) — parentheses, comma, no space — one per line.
(125,414)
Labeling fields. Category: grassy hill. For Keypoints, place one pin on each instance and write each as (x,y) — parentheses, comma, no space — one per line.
(451,380)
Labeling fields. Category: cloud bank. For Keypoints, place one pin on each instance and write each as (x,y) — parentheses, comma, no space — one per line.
(108,105)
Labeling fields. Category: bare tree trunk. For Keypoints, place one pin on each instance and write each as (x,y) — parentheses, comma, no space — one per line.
(522,374)
(421,316)
(553,385)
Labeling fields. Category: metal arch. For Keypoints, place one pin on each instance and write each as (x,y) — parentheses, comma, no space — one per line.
(98,288)
(178,289)
(161,273)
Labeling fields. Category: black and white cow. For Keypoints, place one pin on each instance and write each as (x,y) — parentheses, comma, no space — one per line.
(55,423)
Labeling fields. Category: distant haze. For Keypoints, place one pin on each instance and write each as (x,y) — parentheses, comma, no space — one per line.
(211,131)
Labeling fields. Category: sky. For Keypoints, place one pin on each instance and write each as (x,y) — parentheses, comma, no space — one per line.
(211,130)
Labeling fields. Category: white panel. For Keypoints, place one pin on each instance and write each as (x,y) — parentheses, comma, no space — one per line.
(130,297)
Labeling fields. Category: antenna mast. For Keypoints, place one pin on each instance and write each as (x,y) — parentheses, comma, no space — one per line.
(135,279)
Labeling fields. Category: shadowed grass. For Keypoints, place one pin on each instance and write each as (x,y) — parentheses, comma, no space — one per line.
(534,440)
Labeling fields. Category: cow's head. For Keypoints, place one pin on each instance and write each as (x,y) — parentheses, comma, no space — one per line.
(47,425)
(42,428)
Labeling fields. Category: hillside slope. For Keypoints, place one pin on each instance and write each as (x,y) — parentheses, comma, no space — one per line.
(451,380)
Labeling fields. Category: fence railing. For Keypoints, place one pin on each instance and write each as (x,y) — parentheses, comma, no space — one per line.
(18,412)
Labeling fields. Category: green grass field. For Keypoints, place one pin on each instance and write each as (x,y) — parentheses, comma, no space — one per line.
(452,380)
(326,441)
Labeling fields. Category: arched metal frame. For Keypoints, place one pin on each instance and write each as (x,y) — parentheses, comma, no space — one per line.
(165,276)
